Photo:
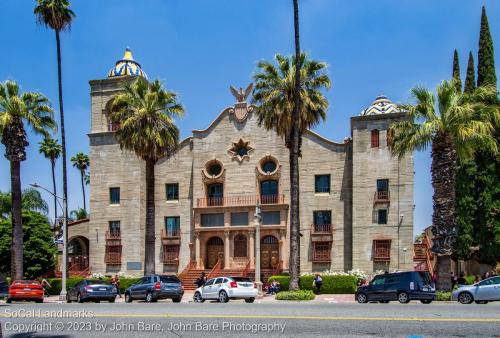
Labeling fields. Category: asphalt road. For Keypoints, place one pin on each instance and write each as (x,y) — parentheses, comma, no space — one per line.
(280,319)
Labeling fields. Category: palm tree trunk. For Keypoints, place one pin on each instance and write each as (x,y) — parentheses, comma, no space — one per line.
(17,221)
(294,263)
(444,229)
(149,238)
(82,174)
(61,122)
(53,162)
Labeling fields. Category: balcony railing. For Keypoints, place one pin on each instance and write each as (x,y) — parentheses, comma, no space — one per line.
(113,256)
(113,235)
(382,196)
(321,252)
(382,250)
(171,255)
(170,233)
(322,228)
(240,200)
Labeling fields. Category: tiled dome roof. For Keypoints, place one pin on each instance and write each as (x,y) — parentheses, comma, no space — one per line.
(127,66)
(381,105)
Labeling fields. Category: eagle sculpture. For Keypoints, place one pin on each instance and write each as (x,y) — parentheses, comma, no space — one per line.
(241,96)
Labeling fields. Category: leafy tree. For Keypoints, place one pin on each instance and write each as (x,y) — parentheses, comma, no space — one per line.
(275,97)
(57,15)
(486,58)
(145,114)
(40,250)
(31,200)
(455,125)
(470,79)
(16,109)
(81,162)
(78,214)
(456,72)
(51,150)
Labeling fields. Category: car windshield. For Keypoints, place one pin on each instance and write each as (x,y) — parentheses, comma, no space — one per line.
(26,282)
(242,279)
(169,279)
(97,282)
(425,277)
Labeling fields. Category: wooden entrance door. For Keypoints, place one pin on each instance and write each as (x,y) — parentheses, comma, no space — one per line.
(215,252)
(269,253)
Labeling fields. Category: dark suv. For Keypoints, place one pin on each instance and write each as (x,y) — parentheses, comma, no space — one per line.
(400,286)
(154,287)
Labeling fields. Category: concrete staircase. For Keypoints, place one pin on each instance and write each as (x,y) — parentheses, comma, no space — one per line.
(190,276)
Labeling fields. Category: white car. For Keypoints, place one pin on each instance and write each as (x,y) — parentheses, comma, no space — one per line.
(225,288)
(483,292)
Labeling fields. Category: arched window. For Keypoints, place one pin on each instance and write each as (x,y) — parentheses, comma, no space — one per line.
(375,138)
(269,192)
(240,246)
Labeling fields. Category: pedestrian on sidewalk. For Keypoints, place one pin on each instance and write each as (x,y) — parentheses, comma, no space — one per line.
(115,281)
(318,282)
(201,280)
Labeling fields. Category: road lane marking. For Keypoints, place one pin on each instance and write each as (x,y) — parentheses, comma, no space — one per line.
(333,318)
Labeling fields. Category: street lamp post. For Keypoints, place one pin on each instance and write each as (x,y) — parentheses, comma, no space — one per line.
(257,220)
(62,295)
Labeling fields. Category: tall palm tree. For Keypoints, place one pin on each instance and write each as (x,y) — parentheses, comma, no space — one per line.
(78,214)
(455,125)
(51,150)
(16,109)
(57,15)
(145,114)
(81,162)
(275,97)
(31,200)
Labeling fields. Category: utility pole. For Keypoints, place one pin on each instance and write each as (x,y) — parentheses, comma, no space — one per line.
(257,221)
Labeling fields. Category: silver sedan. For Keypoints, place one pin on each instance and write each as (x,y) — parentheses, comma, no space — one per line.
(483,292)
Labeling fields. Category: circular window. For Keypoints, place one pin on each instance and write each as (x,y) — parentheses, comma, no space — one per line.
(215,169)
(269,166)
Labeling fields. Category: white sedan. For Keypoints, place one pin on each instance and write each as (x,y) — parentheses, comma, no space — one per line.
(225,288)
(483,292)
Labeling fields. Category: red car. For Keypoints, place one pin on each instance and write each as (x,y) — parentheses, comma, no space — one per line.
(25,290)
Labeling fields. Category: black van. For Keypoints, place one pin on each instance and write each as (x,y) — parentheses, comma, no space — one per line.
(400,286)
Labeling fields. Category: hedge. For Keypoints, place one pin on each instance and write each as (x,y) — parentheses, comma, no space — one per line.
(443,295)
(331,284)
(295,295)
(55,284)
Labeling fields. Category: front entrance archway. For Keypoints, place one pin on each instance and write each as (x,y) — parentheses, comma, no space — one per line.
(269,252)
(215,252)
(78,254)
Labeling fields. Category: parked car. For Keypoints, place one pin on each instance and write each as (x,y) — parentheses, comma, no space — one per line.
(485,291)
(400,286)
(225,288)
(4,287)
(91,290)
(154,287)
(25,290)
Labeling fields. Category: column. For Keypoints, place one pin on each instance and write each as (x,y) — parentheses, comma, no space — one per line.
(283,246)
(251,243)
(226,249)
(197,250)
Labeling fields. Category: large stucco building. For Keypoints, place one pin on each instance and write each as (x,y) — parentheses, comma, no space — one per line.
(356,201)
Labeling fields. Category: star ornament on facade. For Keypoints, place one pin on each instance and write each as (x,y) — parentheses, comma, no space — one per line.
(240,150)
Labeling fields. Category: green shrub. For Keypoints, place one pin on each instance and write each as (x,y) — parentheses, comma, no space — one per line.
(331,284)
(443,295)
(283,280)
(295,295)
(126,282)
(469,280)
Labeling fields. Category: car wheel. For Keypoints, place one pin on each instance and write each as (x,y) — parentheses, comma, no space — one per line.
(111,300)
(426,301)
(68,299)
(128,298)
(8,301)
(79,298)
(361,298)
(149,297)
(223,298)
(481,302)
(403,298)
(465,298)
(176,299)
(249,300)
(197,298)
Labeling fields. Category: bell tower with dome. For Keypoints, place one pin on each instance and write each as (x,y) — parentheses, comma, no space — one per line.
(116,180)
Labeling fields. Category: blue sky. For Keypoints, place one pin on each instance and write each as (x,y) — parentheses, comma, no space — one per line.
(198,48)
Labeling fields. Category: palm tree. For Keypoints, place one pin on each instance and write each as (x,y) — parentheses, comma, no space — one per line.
(455,125)
(56,15)
(78,214)
(145,114)
(275,97)
(31,200)
(81,162)
(15,110)
(51,150)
